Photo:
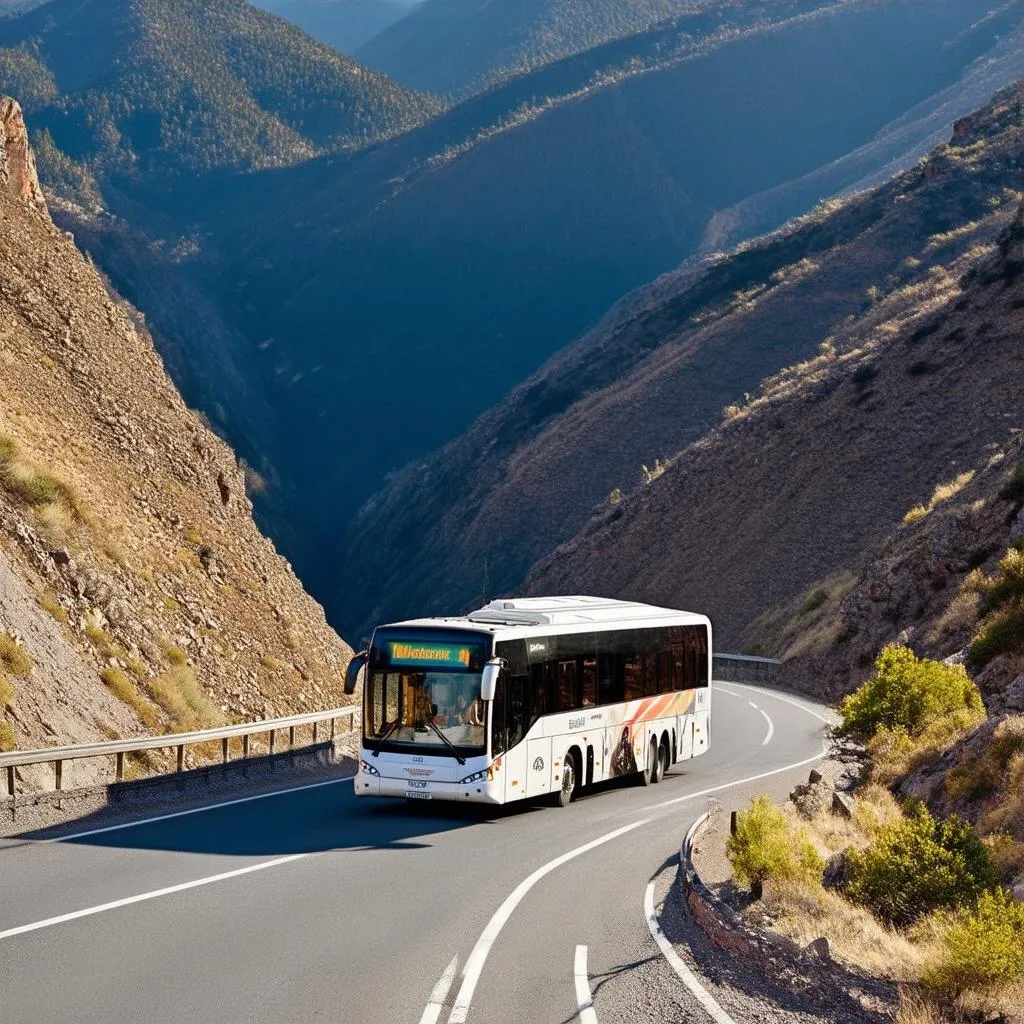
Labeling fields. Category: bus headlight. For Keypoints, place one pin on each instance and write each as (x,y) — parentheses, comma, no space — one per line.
(487,773)
(368,768)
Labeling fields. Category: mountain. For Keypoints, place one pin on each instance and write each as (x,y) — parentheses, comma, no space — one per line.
(651,377)
(784,500)
(136,593)
(133,91)
(458,47)
(446,264)
(342,24)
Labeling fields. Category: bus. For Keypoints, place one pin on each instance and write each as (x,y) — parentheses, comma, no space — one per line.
(531,697)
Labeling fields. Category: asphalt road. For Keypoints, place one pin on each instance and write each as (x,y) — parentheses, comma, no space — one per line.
(310,905)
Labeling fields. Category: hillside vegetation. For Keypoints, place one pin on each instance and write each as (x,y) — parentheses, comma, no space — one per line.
(658,371)
(139,89)
(807,475)
(463,46)
(136,594)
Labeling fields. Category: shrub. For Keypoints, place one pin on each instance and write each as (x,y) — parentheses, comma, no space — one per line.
(1008,585)
(916,514)
(7,738)
(814,601)
(6,691)
(14,659)
(766,847)
(51,605)
(1002,634)
(984,947)
(910,694)
(864,374)
(916,865)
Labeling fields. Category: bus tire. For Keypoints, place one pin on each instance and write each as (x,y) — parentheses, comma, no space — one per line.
(660,762)
(569,781)
(649,775)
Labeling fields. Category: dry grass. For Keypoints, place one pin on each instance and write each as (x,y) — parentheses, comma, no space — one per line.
(894,754)
(941,494)
(271,664)
(6,691)
(128,693)
(14,659)
(804,913)
(175,656)
(178,692)
(8,740)
(49,603)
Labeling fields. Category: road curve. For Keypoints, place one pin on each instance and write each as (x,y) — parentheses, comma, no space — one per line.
(313,906)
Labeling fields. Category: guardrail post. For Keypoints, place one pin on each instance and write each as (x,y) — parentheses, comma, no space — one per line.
(316,732)
(181,757)
(245,745)
(119,766)
(58,771)
(10,780)
(291,737)
(273,737)
(334,728)
(224,750)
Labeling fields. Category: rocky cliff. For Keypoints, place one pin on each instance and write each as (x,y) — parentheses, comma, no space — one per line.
(17,162)
(136,593)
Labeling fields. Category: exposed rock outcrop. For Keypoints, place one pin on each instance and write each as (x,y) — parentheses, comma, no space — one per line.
(17,162)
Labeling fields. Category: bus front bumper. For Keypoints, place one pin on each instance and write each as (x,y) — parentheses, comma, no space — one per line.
(481,792)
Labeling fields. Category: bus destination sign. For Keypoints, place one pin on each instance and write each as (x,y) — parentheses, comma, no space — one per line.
(417,653)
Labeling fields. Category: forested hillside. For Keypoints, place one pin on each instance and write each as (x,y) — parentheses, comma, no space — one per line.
(139,89)
(459,47)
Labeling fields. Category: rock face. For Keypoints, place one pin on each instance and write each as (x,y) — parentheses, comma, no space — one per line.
(131,570)
(17,163)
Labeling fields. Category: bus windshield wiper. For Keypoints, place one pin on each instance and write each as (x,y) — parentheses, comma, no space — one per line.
(451,746)
(380,739)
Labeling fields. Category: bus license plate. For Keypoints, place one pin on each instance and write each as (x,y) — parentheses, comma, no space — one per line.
(415,794)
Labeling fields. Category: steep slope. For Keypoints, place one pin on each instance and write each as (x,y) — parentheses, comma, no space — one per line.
(463,46)
(655,375)
(139,89)
(469,272)
(342,24)
(800,484)
(136,593)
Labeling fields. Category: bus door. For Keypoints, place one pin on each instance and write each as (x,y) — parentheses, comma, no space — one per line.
(516,766)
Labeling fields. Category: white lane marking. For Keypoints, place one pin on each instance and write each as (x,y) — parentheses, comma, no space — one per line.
(588,1015)
(191,810)
(771,725)
(433,1011)
(688,978)
(740,782)
(155,894)
(475,963)
(777,696)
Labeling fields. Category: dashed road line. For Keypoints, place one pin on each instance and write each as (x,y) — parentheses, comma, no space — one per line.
(771,725)
(688,978)
(588,1015)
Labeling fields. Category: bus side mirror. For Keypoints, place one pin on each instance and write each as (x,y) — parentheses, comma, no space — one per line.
(355,666)
(489,682)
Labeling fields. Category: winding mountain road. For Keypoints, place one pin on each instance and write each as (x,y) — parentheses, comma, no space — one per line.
(308,905)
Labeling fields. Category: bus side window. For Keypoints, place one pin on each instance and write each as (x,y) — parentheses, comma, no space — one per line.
(517,709)
(589,682)
(566,685)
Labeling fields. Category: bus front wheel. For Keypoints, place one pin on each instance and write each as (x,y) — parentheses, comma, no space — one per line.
(564,796)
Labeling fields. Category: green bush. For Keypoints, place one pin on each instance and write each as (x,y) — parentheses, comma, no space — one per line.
(916,865)
(1008,585)
(907,693)
(984,947)
(767,847)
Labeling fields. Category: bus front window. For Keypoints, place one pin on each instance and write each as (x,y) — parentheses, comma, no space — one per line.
(413,707)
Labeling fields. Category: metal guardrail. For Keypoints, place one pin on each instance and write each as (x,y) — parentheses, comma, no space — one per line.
(118,748)
(745,668)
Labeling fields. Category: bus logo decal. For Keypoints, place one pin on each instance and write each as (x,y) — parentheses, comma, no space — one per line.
(538,765)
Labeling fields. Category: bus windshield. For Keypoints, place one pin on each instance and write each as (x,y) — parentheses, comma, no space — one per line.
(425,708)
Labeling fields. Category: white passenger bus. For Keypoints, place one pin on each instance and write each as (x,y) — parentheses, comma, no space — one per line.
(529,697)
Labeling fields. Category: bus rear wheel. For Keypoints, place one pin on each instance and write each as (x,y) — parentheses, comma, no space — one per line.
(650,775)
(564,796)
(660,763)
